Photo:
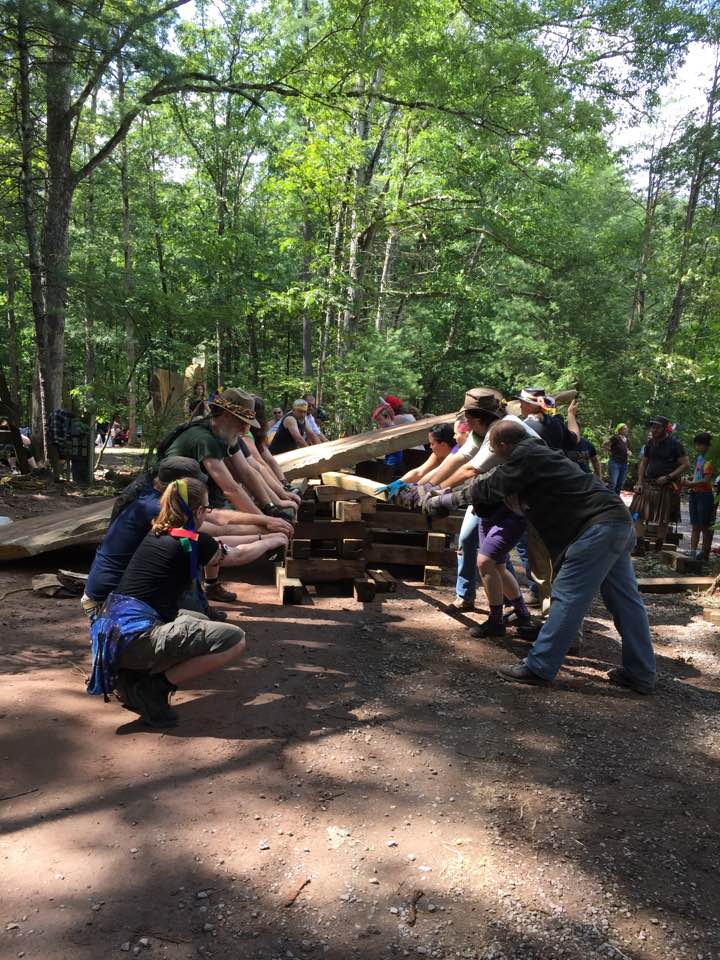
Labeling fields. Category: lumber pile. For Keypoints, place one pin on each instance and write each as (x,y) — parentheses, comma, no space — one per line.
(63,528)
(673,584)
(335,454)
(347,536)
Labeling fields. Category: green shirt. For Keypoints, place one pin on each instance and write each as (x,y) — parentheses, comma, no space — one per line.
(200,443)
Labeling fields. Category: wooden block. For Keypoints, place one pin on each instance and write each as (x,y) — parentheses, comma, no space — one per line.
(348,511)
(290,589)
(384,582)
(390,553)
(299,549)
(330,530)
(364,589)
(673,537)
(368,506)
(432,576)
(673,584)
(307,510)
(352,549)
(325,494)
(324,569)
(436,542)
(681,563)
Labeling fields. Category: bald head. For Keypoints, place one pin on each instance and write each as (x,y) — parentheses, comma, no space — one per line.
(505,435)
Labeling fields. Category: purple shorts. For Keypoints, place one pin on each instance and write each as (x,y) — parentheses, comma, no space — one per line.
(499,533)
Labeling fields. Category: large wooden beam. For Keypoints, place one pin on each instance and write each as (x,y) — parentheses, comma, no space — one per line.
(346,452)
(62,528)
(348,481)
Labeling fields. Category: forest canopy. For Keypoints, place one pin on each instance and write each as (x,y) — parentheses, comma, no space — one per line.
(356,198)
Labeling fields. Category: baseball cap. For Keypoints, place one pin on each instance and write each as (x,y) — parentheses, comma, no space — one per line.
(179,468)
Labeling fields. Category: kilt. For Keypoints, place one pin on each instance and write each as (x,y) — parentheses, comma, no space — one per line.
(657,504)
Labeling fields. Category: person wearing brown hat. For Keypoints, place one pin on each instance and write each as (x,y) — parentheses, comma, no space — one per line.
(657,493)
(217,446)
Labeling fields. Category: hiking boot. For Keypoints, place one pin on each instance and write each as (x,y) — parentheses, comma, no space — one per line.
(458,604)
(488,629)
(519,673)
(527,627)
(214,614)
(216,591)
(149,697)
(532,599)
(618,676)
(126,679)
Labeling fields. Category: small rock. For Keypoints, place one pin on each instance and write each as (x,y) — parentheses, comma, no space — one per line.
(374,880)
(144,943)
(133,849)
(264,845)
(13,926)
(411,857)
(392,843)
(201,895)
(125,947)
(208,927)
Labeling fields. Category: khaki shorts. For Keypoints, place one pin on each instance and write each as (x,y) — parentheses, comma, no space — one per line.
(189,635)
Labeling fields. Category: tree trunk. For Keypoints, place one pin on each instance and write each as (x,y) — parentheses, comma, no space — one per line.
(12,346)
(130,333)
(60,188)
(652,197)
(696,183)
(37,291)
(391,246)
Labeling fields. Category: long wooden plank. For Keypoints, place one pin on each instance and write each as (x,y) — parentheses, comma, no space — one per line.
(315,460)
(329,530)
(324,569)
(673,584)
(62,528)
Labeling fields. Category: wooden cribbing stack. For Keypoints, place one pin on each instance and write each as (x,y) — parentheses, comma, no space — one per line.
(347,534)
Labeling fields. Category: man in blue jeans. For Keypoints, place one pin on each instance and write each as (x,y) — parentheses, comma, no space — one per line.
(589,534)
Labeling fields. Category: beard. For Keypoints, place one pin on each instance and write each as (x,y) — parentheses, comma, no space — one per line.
(227,429)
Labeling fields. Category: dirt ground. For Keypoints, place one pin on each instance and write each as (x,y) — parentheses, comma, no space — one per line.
(362,785)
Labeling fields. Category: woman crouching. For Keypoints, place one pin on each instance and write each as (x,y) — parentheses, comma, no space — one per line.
(143,645)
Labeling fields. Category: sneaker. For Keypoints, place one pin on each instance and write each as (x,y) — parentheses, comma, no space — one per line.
(216,591)
(214,614)
(488,629)
(149,698)
(460,603)
(519,673)
(618,676)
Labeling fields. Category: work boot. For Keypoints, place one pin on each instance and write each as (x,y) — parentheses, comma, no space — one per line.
(216,591)
(519,673)
(149,697)
(460,603)
(619,677)
(126,678)
(488,629)
(214,614)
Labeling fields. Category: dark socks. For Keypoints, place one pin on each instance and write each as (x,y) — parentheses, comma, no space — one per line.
(496,613)
(165,683)
(520,606)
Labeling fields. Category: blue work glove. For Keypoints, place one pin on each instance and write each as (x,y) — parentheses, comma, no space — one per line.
(438,506)
(394,488)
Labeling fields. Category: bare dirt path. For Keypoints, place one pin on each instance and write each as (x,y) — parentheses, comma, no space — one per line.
(362,786)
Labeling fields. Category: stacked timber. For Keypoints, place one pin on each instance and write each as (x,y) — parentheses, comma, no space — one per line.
(348,535)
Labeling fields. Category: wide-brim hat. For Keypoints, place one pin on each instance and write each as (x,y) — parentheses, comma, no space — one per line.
(239,404)
(486,399)
(532,395)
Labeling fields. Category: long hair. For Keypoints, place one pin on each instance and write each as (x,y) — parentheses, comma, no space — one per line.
(259,434)
(190,492)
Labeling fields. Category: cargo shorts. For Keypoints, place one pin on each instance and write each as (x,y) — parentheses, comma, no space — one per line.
(189,635)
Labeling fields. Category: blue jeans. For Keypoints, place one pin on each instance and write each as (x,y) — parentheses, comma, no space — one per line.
(522,550)
(616,475)
(598,560)
(468,543)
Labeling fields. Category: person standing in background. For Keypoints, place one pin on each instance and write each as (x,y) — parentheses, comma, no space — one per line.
(701,500)
(619,450)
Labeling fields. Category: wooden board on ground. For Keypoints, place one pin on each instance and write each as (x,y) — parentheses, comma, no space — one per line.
(324,569)
(673,584)
(62,528)
(384,582)
(317,459)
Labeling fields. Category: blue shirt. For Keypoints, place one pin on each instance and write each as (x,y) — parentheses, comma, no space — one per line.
(124,536)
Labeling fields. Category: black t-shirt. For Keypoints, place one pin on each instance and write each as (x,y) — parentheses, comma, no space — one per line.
(554,431)
(159,571)
(583,454)
(662,457)
(619,448)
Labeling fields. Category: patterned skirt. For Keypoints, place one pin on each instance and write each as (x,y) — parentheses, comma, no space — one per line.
(656,503)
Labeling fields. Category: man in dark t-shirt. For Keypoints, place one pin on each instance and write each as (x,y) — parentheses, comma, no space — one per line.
(657,494)
(588,532)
